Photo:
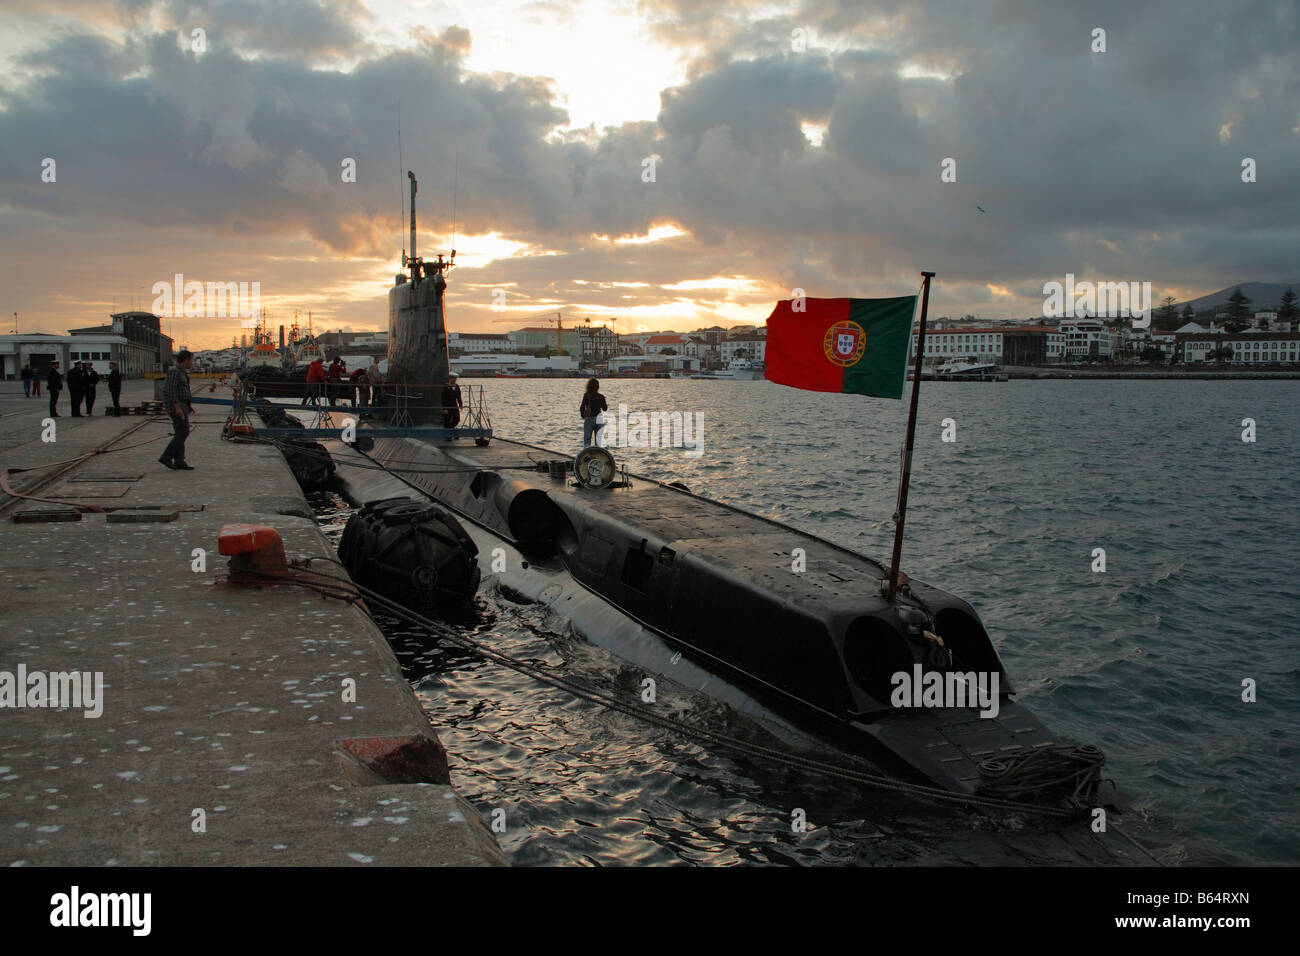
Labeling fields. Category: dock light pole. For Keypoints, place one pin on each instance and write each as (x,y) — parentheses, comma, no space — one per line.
(900,512)
(15,323)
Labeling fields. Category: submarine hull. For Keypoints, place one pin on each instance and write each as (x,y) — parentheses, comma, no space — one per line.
(818,646)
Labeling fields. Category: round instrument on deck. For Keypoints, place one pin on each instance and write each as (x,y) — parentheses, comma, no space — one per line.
(594,467)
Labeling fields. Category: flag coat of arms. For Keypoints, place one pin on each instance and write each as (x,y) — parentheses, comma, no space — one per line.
(841,345)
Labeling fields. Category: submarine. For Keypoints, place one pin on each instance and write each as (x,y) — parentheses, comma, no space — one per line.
(824,641)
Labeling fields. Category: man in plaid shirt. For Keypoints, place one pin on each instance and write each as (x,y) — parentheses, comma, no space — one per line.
(176,397)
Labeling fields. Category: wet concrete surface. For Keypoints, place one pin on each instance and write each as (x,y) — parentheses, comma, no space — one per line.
(228,733)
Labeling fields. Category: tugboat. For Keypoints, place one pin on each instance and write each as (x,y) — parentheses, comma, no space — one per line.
(801,625)
(307,350)
(264,352)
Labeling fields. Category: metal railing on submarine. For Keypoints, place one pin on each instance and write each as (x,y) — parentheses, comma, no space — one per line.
(392,413)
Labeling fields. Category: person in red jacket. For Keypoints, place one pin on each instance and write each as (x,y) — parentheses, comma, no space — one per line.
(334,375)
(315,382)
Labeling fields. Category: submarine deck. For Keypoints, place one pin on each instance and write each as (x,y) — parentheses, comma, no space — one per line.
(751,546)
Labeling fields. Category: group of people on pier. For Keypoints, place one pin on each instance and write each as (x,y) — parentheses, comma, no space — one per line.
(82,380)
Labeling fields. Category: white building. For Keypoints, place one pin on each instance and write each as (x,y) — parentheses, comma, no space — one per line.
(1195,328)
(1089,338)
(1248,348)
(1263,348)
(981,344)
(655,344)
(636,363)
(748,346)
(1016,344)
(504,361)
(38,350)
(479,342)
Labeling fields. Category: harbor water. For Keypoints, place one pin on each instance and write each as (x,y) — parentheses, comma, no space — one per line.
(1021,493)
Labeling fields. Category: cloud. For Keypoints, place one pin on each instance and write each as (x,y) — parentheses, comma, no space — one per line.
(1111,164)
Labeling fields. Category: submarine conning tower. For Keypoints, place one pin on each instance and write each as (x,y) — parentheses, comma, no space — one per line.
(418,365)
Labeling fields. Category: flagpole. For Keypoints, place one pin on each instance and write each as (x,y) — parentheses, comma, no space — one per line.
(900,513)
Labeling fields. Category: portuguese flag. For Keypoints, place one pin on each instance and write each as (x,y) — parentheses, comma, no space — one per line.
(841,345)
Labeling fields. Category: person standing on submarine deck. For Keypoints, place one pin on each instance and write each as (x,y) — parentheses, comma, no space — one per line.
(593,403)
(452,403)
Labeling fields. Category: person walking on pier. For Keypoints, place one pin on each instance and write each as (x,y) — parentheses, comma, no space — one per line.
(27,381)
(56,386)
(76,388)
(36,383)
(176,396)
(593,404)
(451,403)
(115,388)
(315,383)
(90,380)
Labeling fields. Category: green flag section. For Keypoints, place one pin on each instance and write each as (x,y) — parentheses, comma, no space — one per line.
(841,345)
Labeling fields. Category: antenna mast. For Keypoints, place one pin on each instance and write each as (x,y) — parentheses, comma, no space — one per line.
(414,260)
(400,164)
(455,186)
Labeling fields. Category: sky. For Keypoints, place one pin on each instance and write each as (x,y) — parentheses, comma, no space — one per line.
(661,164)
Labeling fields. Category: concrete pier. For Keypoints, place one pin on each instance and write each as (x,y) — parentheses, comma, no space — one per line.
(229,732)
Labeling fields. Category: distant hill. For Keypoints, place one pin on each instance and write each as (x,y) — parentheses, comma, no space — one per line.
(1259,293)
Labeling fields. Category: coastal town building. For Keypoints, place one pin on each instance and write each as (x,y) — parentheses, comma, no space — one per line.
(1089,338)
(133,340)
(702,349)
(1247,348)
(493,362)
(982,344)
(534,338)
(748,346)
(1009,344)
(332,341)
(713,335)
(1032,345)
(479,342)
(671,342)
(597,343)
